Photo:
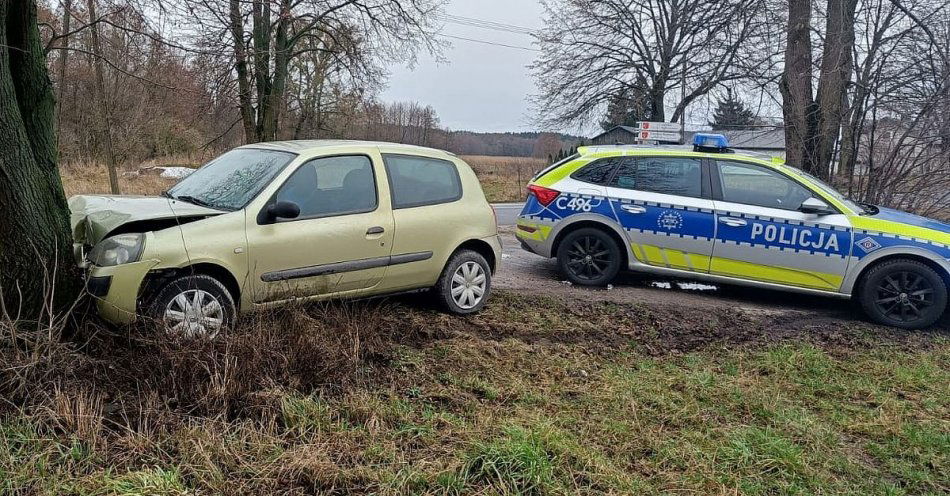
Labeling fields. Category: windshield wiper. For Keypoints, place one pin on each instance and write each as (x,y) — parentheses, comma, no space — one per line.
(189,199)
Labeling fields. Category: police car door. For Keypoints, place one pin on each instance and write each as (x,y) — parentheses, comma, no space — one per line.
(664,205)
(762,236)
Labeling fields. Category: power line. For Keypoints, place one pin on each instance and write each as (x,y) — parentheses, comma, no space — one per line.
(486,24)
(485,42)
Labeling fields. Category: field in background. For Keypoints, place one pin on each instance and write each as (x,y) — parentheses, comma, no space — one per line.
(503,178)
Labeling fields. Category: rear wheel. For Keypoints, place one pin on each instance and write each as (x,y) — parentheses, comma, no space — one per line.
(589,257)
(904,293)
(465,283)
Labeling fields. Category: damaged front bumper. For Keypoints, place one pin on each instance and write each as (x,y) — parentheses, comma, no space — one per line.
(116,289)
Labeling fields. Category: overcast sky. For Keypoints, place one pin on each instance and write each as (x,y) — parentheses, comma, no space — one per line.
(480,87)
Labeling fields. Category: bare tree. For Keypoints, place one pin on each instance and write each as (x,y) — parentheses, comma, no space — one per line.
(595,51)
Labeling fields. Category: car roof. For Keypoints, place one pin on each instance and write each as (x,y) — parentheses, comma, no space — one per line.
(678,150)
(299,146)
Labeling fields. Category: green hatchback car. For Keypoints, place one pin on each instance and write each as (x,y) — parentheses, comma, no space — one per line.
(270,223)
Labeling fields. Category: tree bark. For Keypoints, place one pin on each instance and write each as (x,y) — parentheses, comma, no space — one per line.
(35,239)
(240,66)
(796,87)
(105,112)
(63,59)
(837,64)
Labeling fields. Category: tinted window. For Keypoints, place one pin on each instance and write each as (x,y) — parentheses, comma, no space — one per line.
(232,180)
(667,175)
(754,185)
(417,181)
(332,186)
(597,172)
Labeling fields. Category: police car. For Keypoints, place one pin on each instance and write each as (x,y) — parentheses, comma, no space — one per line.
(729,216)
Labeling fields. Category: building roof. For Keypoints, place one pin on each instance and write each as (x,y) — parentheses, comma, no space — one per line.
(767,138)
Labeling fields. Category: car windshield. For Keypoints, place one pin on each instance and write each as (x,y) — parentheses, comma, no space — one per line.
(830,191)
(232,180)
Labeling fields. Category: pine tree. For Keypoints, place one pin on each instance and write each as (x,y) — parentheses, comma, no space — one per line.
(626,109)
(731,113)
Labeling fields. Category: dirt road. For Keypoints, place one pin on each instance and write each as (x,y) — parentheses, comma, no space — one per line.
(523,271)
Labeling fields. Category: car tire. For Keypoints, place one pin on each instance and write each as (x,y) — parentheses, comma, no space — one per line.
(903,293)
(465,283)
(173,307)
(589,257)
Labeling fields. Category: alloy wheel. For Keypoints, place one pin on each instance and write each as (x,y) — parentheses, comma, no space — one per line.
(904,296)
(588,258)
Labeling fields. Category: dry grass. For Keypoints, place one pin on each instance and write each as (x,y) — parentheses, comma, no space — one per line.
(504,178)
(533,396)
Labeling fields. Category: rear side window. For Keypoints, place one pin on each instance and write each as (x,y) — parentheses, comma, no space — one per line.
(418,181)
(666,175)
(598,171)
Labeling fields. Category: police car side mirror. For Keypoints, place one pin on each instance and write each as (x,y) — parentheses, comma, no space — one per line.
(815,206)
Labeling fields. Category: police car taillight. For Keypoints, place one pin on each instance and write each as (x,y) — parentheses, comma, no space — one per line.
(544,195)
(704,142)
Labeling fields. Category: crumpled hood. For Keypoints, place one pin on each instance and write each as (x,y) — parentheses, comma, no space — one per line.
(93,217)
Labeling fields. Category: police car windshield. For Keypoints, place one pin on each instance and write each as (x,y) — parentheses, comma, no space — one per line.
(832,192)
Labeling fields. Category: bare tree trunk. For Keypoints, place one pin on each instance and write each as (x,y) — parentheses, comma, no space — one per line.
(796,87)
(240,66)
(836,66)
(105,112)
(63,59)
(35,240)
(274,99)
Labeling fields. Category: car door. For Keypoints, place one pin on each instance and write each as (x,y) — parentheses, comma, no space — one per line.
(664,206)
(339,243)
(762,235)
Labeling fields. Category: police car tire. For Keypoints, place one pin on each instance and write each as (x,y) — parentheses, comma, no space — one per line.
(563,256)
(208,284)
(877,274)
(443,288)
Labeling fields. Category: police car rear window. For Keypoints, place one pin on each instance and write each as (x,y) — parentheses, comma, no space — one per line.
(554,166)
(666,175)
(597,172)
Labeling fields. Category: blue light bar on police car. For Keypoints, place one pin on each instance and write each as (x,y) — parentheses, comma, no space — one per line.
(710,142)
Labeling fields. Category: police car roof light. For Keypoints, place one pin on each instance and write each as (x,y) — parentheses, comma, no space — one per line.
(704,142)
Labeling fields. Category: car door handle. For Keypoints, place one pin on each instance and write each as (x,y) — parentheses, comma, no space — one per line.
(732,221)
(375,230)
(633,209)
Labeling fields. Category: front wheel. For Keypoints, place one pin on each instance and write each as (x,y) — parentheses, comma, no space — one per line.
(904,293)
(589,257)
(465,283)
(194,306)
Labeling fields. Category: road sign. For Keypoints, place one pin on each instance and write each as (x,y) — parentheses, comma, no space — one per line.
(659,136)
(666,127)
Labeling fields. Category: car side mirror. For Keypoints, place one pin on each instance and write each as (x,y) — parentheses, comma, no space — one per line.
(815,206)
(282,210)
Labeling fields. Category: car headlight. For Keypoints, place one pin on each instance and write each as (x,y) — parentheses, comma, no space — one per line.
(118,250)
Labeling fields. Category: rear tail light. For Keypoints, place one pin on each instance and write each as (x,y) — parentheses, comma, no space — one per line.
(544,195)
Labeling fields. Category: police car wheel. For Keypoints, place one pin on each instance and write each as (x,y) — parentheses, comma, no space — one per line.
(194,307)
(465,283)
(589,257)
(905,294)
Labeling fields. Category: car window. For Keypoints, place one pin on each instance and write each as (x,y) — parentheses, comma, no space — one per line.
(417,181)
(598,171)
(667,175)
(331,186)
(754,185)
(232,180)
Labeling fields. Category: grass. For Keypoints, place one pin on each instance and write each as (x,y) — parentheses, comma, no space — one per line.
(533,396)
(503,178)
